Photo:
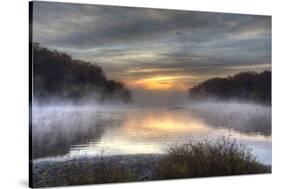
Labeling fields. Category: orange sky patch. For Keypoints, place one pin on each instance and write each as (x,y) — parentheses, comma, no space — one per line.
(161,83)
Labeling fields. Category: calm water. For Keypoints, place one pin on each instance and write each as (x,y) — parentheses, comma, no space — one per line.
(60,133)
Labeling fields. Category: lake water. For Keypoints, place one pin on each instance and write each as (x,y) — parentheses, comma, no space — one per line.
(60,133)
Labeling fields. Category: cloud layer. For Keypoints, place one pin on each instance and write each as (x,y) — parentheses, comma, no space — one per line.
(146,47)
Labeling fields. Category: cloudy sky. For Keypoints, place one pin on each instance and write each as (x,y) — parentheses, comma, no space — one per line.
(152,49)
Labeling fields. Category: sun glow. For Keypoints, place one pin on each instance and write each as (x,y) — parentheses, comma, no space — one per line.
(162,83)
(163,123)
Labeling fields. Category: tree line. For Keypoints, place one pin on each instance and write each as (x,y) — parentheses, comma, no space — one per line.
(57,76)
(248,86)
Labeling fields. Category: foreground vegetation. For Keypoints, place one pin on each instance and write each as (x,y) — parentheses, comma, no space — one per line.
(193,159)
(207,158)
(248,86)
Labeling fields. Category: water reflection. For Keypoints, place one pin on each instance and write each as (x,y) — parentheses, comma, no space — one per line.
(54,133)
(86,133)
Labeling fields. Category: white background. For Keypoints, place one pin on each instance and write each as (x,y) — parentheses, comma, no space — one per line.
(14,92)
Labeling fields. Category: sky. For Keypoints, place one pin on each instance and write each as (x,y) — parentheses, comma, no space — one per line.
(154,49)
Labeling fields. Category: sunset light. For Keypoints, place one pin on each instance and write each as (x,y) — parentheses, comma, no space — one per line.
(162,83)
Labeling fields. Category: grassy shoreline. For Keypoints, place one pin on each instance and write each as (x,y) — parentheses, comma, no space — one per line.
(190,160)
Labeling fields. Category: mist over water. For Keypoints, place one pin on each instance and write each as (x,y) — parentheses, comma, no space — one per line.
(244,117)
(61,131)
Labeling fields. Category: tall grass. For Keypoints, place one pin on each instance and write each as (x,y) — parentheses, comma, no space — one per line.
(208,158)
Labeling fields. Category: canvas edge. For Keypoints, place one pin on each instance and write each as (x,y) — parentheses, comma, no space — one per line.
(30,90)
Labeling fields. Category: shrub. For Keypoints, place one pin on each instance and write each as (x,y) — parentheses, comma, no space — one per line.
(208,158)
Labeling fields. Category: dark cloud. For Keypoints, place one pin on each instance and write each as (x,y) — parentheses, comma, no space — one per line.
(81,25)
